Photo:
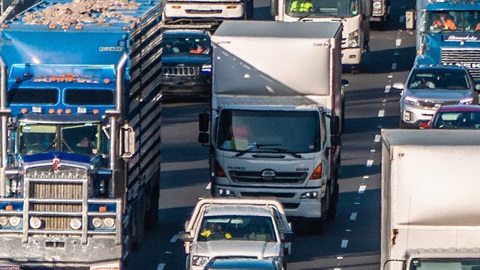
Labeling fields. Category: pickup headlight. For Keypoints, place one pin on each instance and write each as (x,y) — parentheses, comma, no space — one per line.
(200,260)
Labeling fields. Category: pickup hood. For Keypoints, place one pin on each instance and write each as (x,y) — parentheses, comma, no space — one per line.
(440,95)
(187,59)
(258,249)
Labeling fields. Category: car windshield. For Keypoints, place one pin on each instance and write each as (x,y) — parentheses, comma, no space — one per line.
(439,79)
(254,228)
(457,120)
(186,45)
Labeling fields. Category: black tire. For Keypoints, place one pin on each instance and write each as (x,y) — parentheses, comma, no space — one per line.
(151,219)
(138,223)
(332,210)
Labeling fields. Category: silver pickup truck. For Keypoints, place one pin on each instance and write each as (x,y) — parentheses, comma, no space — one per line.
(219,227)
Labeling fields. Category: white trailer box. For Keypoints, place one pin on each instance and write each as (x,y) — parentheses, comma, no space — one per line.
(283,82)
(430,199)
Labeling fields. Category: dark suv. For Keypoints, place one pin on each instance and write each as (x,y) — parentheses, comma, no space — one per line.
(186,61)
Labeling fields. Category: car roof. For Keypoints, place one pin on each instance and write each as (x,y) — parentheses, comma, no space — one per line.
(459,108)
(437,67)
(243,210)
(242,263)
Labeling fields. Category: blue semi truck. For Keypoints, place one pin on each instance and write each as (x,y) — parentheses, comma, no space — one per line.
(457,45)
(80,132)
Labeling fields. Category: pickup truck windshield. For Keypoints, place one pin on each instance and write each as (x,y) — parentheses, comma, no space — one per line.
(270,131)
(254,228)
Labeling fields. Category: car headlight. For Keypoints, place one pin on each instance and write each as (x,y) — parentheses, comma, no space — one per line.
(411,101)
(466,101)
(200,260)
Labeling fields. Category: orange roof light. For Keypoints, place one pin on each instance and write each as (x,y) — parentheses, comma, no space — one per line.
(24,110)
(59,111)
(102,209)
(51,111)
(106,80)
(4,25)
(68,111)
(9,207)
(95,111)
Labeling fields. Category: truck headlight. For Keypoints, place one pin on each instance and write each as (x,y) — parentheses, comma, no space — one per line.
(75,223)
(200,260)
(353,39)
(109,222)
(3,221)
(309,195)
(14,221)
(35,223)
(96,222)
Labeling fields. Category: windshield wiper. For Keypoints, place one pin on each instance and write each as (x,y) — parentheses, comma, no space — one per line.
(266,147)
(253,147)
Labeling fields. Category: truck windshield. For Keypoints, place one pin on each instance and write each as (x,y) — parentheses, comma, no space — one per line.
(452,21)
(79,138)
(269,131)
(254,228)
(322,8)
(445,263)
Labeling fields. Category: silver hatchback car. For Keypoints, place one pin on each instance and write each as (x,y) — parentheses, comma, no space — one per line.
(430,86)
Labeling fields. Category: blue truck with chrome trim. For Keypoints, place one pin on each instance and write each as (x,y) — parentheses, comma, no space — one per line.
(80,132)
(455,45)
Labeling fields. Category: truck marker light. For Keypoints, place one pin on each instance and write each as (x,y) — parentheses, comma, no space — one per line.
(176,7)
(9,207)
(53,78)
(59,111)
(126,28)
(95,111)
(4,25)
(231,7)
(78,27)
(24,110)
(51,111)
(317,174)
(18,80)
(27,74)
(102,209)
(65,26)
(52,26)
(219,170)
(106,81)
(68,111)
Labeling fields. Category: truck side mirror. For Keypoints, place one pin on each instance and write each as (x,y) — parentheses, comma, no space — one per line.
(128,135)
(335,125)
(288,237)
(274,8)
(203,121)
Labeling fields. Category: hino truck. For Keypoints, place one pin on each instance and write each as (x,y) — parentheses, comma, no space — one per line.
(430,217)
(80,132)
(275,111)
(353,14)
(457,45)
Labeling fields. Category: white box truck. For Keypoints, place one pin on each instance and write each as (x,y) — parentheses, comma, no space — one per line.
(430,199)
(275,115)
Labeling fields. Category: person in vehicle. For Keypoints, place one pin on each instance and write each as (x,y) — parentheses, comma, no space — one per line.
(199,48)
(301,6)
(214,231)
(444,22)
(85,142)
(422,83)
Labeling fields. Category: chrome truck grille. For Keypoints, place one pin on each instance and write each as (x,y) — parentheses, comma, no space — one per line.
(468,57)
(56,202)
(180,71)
